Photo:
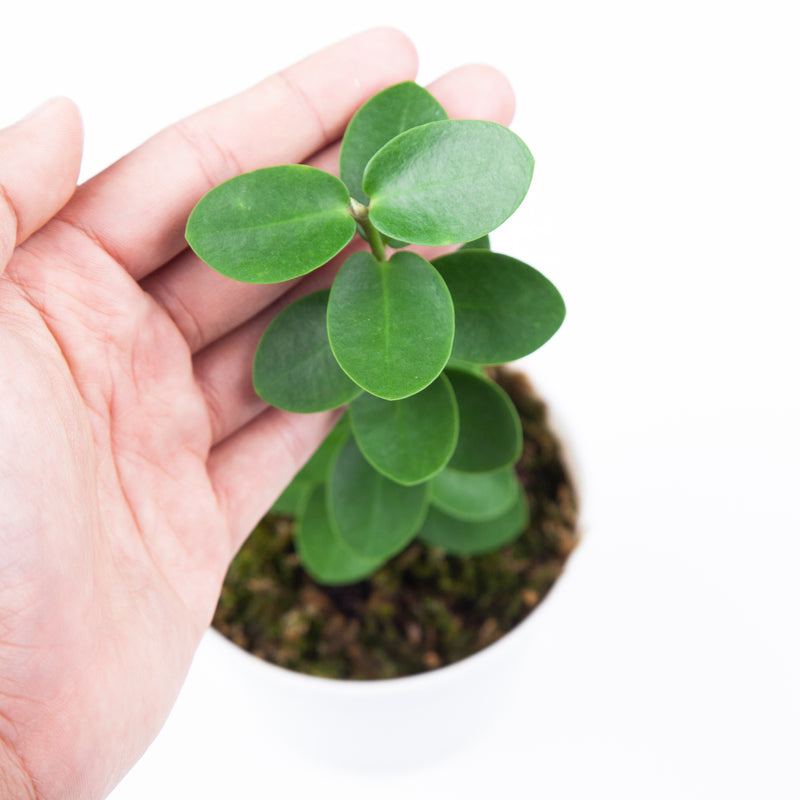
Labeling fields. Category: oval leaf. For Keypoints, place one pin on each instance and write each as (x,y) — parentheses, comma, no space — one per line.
(504,308)
(294,367)
(390,323)
(474,495)
(272,224)
(375,517)
(447,182)
(473,538)
(408,440)
(322,551)
(387,114)
(489,433)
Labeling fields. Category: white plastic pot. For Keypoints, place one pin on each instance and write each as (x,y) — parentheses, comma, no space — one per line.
(397,722)
(382,724)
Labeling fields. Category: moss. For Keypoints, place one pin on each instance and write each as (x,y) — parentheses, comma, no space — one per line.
(424,608)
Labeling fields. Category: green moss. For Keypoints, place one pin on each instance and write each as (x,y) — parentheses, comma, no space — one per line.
(424,608)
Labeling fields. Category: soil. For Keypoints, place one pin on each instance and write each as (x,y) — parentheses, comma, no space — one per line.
(422,610)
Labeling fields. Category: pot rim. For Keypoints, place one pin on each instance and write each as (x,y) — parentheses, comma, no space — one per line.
(381,686)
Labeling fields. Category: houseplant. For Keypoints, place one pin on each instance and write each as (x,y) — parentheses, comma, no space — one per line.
(427,449)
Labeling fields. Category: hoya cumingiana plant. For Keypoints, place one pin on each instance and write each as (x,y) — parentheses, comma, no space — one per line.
(427,447)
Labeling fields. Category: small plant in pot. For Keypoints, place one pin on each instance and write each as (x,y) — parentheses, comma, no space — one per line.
(420,499)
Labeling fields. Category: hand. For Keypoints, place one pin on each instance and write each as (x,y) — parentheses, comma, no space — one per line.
(134,455)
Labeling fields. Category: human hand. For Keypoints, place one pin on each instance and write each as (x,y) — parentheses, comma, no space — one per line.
(134,455)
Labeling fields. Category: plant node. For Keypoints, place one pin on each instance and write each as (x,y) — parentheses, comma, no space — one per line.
(360,213)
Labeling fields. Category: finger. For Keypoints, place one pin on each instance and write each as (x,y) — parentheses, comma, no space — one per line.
(40,158)
(489,94)
(206,305)
(473,91)
(224,371)
(137,208)
(250,469)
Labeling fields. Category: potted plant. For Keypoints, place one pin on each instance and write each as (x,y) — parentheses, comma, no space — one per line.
(424,468)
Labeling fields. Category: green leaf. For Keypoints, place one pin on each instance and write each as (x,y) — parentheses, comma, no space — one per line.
(294,367)
(490,433)
(376,517)
(447,182)
(475,496)
(388,113)
(390,323)
(504,308)
(478,244)
(473,538)
(408,440)
(322,551)
(272,224)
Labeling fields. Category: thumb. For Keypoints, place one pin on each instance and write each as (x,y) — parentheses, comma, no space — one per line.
(40,158)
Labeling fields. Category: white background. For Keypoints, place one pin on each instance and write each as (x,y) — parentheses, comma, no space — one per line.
(665,206)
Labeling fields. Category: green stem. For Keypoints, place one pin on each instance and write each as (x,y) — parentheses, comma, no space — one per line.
(360,214)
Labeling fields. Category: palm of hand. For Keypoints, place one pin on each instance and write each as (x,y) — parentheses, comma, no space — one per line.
(128,526)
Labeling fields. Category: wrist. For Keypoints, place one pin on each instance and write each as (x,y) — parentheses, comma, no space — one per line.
(15,783)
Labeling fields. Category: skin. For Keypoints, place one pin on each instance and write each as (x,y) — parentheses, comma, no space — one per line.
(134,455)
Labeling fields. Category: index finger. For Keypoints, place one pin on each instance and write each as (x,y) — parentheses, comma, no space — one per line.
(137,208)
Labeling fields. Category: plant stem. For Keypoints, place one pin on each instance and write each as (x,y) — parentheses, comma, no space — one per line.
(360,214)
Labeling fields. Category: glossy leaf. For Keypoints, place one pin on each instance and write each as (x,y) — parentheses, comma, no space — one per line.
(322,551)
(490,433)
(475,495)
(473,538)
(272,224)
(504,308)
(408,440)
(384,116)
(294,367)
(390,323)
(447,182)
(375,516)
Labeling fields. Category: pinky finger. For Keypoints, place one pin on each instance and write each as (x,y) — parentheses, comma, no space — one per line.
(251,468)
